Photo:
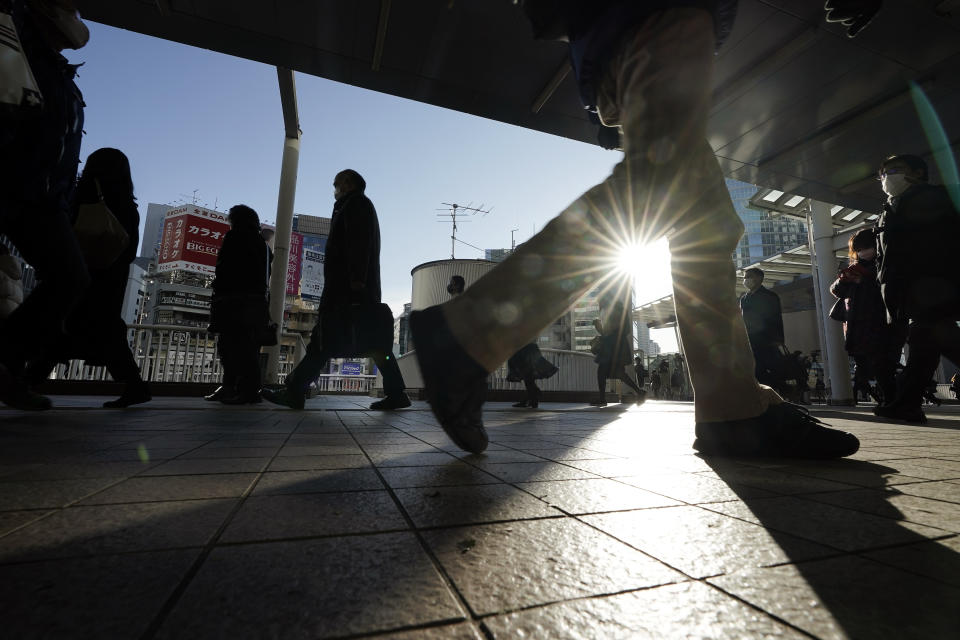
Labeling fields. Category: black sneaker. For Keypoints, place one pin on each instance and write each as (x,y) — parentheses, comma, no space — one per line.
(783,431)
(389,403)
(455,385)
(899,412)
(283,396)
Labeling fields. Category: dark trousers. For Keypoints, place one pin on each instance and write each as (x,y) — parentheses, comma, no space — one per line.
(112,351)
(316,359)
(240,358)
(879,366)
(928,340)
(46,241)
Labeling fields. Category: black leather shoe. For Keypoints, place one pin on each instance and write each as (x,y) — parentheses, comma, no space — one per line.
(454,383)
(283,396)
(221,393)
(130,397)
(899,412)
(390,403)
(783,431)
(520,405)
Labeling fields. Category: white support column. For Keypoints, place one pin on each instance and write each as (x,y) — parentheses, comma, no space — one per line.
(285,200)
(835,361)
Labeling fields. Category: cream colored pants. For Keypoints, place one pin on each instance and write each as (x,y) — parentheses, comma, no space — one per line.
(657,89)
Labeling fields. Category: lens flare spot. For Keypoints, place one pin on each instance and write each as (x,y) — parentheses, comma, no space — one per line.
(142,453)
(507,313)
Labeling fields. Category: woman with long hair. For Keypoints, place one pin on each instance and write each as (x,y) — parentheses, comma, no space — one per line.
(95,330)
(874,344)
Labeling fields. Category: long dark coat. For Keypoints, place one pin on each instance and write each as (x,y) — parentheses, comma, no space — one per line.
(865,330)
(352,253)
(918,273)
(240,283)
(763,317)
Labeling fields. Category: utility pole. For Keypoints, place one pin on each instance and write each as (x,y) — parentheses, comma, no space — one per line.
(513,243)
(452,210)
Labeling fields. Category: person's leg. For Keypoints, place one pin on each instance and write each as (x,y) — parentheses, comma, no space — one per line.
(249,380)
(601,386)
(46,241)
(625,378)
(658,90)
(123,368)
(393,387)
(533,392)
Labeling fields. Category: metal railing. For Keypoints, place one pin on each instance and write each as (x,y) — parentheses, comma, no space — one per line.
(175,353)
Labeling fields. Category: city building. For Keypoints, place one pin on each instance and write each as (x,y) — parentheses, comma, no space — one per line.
(765,232)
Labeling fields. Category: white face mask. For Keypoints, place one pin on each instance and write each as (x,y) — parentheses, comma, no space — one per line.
(894,184)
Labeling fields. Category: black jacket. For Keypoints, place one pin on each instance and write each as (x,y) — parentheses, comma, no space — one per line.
(352,253)
(241,281)
(919,273)
(594,27)
(762,316)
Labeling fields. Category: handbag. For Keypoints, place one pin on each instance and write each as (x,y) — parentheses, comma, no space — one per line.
(19,93)
(838,311)
(100,235)
(355,330)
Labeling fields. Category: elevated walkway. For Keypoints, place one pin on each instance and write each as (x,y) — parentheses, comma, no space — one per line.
(184,519)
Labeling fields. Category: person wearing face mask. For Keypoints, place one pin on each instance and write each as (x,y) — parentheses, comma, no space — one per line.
(874,344)
(918,276)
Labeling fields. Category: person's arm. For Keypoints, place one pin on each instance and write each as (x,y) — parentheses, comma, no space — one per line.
(778,318)
(358,225)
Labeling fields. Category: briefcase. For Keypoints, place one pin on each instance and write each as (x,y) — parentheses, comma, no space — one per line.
(355,331)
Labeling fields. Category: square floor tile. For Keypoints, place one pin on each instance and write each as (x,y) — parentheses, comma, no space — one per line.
(827,524)
(850,597)
(312,589)
(41,494)
(891,503)
(433,506)
(534,471)
(701,543)
(114,596)
(117,528)
(520,564)
(694,488)
(594,496)
(158,488)
(317,481)
(271,517)
(937,559)
(182,467)
(307,463)
(685,610)
(453,474)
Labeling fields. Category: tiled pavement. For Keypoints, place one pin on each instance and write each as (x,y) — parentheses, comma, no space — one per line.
(184,520)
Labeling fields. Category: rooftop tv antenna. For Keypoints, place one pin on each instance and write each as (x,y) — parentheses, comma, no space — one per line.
(452,211)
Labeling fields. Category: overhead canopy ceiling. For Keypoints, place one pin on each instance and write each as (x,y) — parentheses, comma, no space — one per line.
(798,107)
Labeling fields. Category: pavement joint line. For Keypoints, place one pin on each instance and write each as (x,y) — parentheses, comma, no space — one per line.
(171,601)
(437,565)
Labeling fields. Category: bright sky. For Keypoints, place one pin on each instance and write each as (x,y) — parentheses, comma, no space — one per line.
(194,119)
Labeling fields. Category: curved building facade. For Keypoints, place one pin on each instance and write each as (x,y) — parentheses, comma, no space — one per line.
(430,279)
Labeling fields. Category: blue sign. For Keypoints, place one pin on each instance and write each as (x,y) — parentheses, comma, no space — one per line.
(351,369)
